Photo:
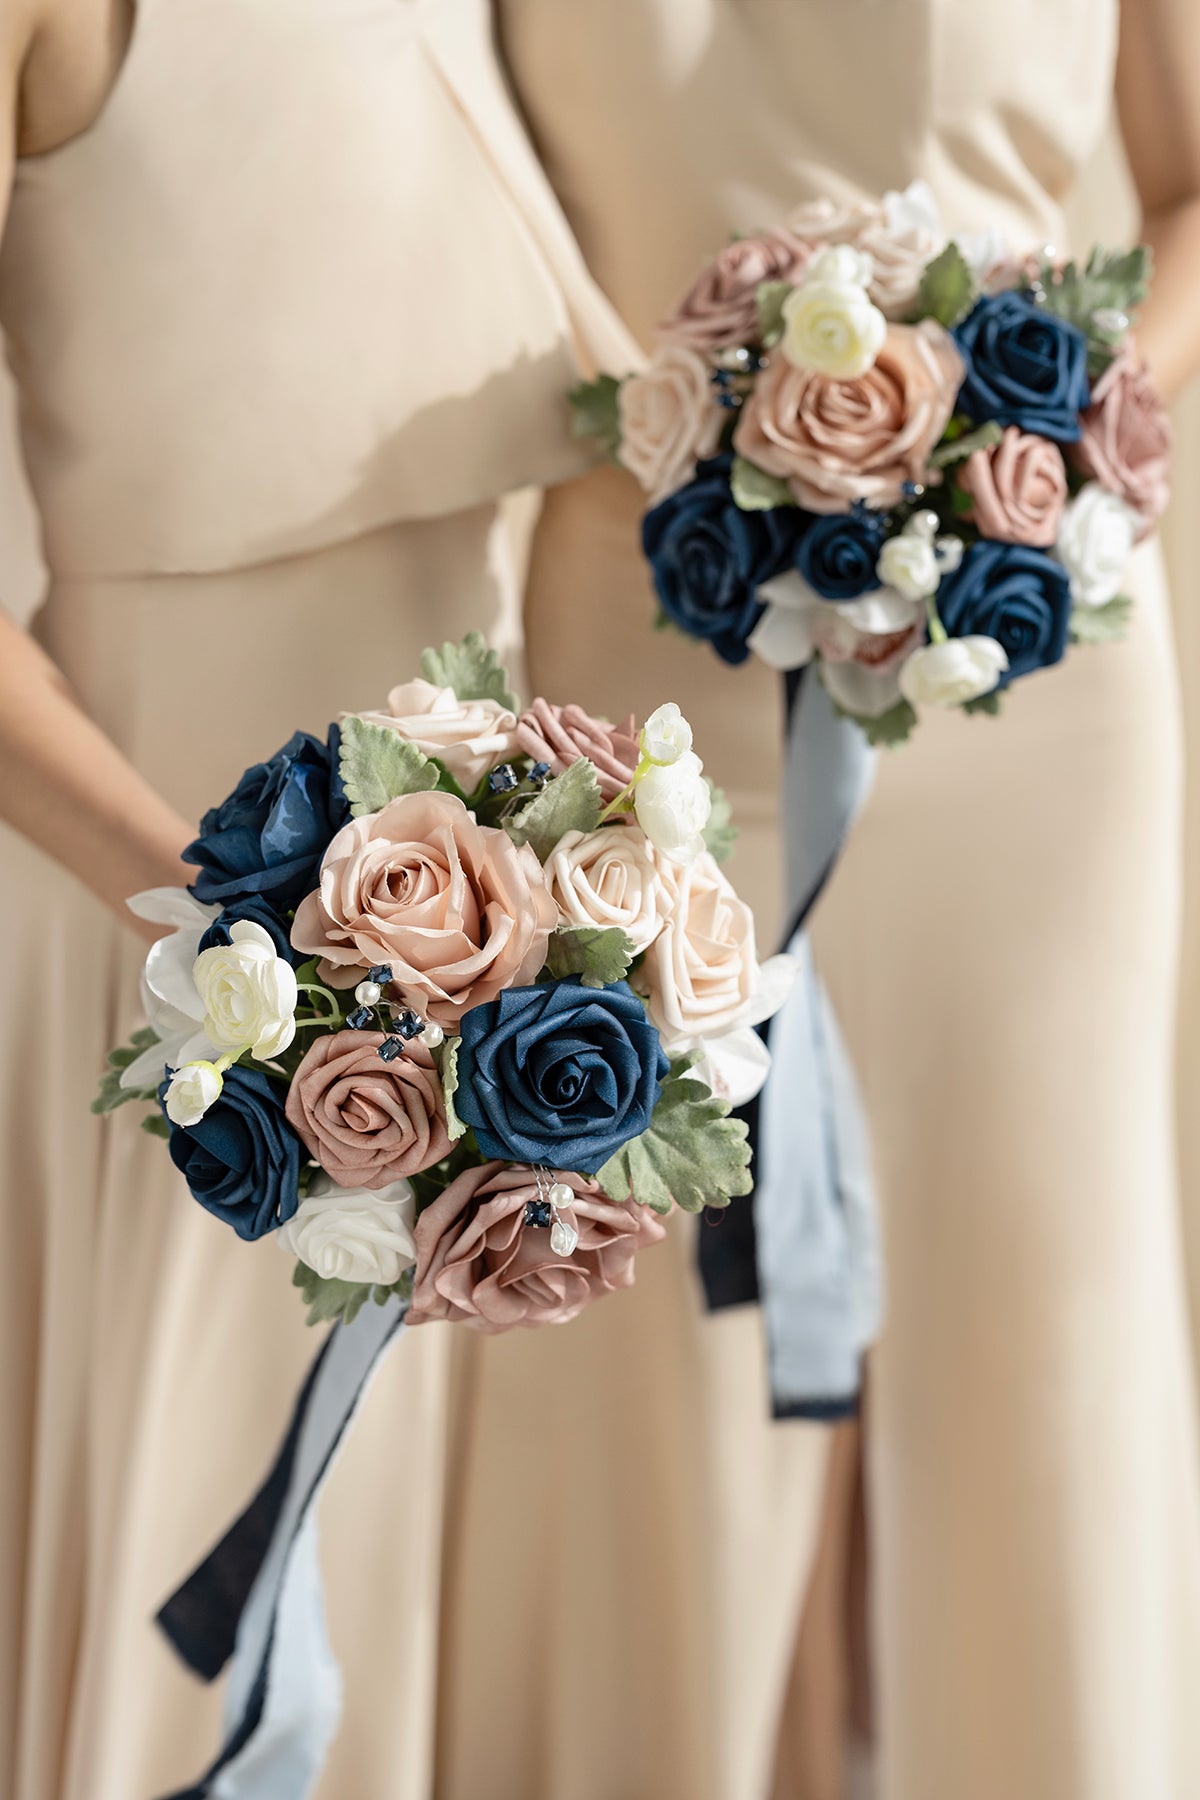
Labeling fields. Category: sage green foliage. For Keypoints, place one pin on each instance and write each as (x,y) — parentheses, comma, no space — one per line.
(769,297)
(379,765)
(892,727)
(454,1125)
(955,449)
(472,669)
(948,290)
(597,954)
(594,413)
(1110,281)
(571,802)
(692,1152)
(156,1126)
(756,491)
(720,834)
(1101,624)
(344,1300)
(984,703)
(111,1094)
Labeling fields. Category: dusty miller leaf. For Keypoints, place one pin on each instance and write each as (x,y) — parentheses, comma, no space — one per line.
(892,727)
(594,412)
(954,451)
(692,1152)
(720,834)
(756,491)
(984,703)
(156,1126)
(344,1300)
(1109,282)
(947,291)
(110,1093)
(597,954)
(454,1125)
(472,668)
(378,765)
(571,802)
(769,298)
(1101,624)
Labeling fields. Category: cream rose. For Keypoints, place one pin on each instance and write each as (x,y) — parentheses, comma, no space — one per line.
(353,1234)
(669,420)
(830,323)
(469,736)
(608,878)
(248,993)
(953,672)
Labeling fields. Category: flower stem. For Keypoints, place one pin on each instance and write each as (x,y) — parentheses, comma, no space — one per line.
(937,631)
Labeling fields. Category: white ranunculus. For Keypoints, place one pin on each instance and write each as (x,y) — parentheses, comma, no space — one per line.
(672,805)
(953,672)
(666,735)
(353,1234)
(608,878)
(169,999)
(1095,539)
(909,564)
(734,1066)
(191,1091)
(842,265)
(669,420)
(830,322)
(469,736)
(248,993)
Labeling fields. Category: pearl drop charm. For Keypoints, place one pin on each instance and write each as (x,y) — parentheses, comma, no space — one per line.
(368,993)
(432,1034)
(563,1237)
(561,1195)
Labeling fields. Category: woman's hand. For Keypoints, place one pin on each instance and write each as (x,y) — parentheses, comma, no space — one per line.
(1158,98)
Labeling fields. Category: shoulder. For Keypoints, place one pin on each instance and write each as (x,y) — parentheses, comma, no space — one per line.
(61,58)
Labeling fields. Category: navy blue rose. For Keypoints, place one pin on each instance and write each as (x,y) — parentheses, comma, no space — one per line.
(242,1159)
(1025,367)
(269,836)
(259,912)
(709,558)
(559,1074)
(838,553)
(1017,595)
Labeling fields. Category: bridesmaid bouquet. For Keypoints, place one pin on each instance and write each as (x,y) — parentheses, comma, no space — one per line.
(912,460)
(458,1003)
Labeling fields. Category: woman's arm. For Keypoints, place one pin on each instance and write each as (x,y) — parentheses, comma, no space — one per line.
(1158,99)
(62,782)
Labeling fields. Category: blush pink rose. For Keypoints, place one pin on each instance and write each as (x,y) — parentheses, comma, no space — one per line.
(834,441)
(1126,441)
(479,1264)
(669,420)
(456,908)
(560,735)
(1018,489)
(720,309)
(367,1122)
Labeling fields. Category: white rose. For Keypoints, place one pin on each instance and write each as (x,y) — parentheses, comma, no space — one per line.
(607,878)
(909,563)
(701,976)
(469,736)
(191,1091)
(669,420)
(248,992)
(666,735)
(832,326)
(169,998)
(951,673)
(353,1234)
(1095,539)
(673,804)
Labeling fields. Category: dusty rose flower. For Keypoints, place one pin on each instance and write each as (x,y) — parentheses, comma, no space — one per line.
(560,735)
(1126,441)
(478,1262)
(835,442)
(365,1121)
(1018,488)
(469,736)
(669,420)
(608,878)
(826,222)
(720,309)
(456,908)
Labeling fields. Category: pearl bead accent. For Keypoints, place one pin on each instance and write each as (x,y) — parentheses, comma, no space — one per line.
(432,1034)
(368,993)
(561,1195)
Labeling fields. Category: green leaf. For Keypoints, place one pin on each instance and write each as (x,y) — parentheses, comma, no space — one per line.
(947,291)
(472,668)
(1114,281)
(379,765)
(599,955)
(156,1125)
(454,1125)
(571,802)
(343,1300)
(980,439)
(110,1093)
(720,834)
(1101,624)
(756,491)
(891,727)
(770,296)
(984,703)
(692,1153)
(594,412)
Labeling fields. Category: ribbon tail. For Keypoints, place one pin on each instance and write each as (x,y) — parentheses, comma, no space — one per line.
(257,1596)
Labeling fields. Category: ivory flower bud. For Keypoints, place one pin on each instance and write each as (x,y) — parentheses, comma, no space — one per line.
(191,1091)
(666,735)
(673,804)
(909,564)
(248,992)
(951,673)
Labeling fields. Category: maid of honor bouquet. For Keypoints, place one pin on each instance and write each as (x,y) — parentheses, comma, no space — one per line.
(458,1003)
(914,460)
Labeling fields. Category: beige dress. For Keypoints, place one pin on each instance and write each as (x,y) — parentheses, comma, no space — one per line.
(285,322)
(1000,939)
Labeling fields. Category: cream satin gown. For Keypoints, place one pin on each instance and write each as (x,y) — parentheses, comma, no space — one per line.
(285,322)
(1000,938)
